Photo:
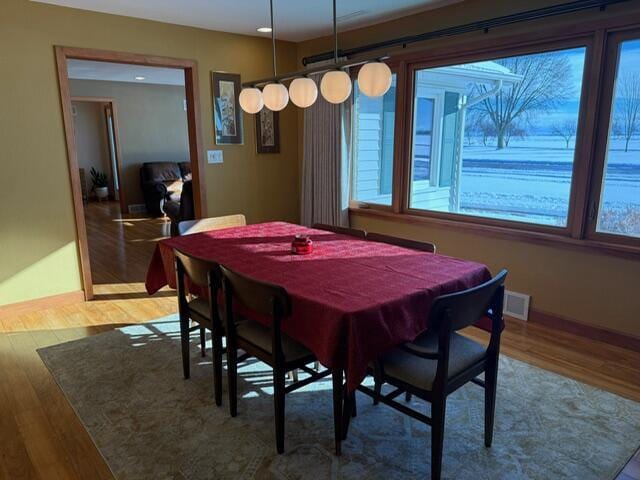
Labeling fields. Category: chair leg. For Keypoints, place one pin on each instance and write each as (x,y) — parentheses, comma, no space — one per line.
(232,378)
(354,406)
(377,389)
(438,407)
(407,396)
(184,340)
(278,400)
(377,383)
(490,387)
(336,376)
(203,342)
(217,367)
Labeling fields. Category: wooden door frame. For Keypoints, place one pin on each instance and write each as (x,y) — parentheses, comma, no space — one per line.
(116,138)
(190,67)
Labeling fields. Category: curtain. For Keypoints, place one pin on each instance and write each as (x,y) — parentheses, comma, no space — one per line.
(325,165)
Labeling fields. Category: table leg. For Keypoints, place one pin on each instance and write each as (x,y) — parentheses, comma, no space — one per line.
(337,407)
(348,411)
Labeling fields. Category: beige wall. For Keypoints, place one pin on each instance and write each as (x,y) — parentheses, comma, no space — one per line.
(592,288)
(92,146)
(38,254)
(152,125)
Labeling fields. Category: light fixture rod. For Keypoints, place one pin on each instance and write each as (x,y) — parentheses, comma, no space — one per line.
(310,71)
(335,34)
(273,40)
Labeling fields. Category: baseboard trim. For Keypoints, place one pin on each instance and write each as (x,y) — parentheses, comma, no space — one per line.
(591,332)
(28,306)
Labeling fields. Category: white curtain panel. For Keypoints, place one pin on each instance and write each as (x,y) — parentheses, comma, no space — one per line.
(325,167)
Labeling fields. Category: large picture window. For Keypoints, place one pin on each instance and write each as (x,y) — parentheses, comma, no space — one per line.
(539,140)
(497,138)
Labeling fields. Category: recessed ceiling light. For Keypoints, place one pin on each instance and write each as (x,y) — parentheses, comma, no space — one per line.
(264,29)
(140,77)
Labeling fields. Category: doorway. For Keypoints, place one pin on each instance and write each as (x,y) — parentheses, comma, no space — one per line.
(98,149)
(117,185)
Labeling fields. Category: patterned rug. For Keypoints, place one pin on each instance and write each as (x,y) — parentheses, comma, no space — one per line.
(127,388)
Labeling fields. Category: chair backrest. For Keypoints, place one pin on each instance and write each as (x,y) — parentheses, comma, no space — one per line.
(263,298)
(197,269)
(456,311)
(342,230)
(202,273)
(402,242)
(211,223)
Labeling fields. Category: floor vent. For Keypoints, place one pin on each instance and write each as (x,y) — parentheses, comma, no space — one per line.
(137,208)
(516,305)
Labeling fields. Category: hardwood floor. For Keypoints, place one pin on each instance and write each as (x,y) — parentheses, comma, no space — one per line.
(120,246)
(40,435)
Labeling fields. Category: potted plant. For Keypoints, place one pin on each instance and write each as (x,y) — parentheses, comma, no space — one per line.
(100,183)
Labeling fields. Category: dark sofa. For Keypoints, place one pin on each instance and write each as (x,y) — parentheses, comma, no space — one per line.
(162,184)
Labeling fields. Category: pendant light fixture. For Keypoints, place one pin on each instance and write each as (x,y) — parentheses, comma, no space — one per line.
(303,92)
(336,84)
(374,79)
(276,95)
(251,100)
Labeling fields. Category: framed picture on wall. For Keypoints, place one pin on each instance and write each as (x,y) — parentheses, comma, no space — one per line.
(267,131)
(227,115)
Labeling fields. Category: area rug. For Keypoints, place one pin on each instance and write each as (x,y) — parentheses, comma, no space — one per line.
(149,423)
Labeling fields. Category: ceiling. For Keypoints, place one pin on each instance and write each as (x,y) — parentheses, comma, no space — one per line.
(295,20)
(121,72)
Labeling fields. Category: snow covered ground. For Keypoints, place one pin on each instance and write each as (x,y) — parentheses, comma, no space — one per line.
(531,179)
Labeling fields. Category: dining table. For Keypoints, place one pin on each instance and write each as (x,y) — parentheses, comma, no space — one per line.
(352,299)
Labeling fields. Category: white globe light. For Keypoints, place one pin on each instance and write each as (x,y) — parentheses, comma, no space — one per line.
(335,86)
(275,96)
(374,79)
(251,100)
(303,92)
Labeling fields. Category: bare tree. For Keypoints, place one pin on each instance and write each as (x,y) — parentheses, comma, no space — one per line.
(566,130)
(546,80)
(628,99)
(514,130)
(487,130)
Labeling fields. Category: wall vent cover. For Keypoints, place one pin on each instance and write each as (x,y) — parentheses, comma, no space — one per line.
(516,305)
(137,208)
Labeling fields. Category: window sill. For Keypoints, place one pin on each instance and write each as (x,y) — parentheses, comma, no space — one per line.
(540,238)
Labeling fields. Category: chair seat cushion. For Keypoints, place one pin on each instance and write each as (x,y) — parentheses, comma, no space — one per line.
(421,372)
(201,306)
(260,336)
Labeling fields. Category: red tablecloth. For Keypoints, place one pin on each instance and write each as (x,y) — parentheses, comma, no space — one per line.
(352,299)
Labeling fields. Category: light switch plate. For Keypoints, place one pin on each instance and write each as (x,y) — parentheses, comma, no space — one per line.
(214,156)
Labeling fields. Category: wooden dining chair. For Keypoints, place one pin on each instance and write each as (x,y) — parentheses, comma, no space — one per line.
(342,230)
(212,223)
(267,343)
(204,311)
(402,242)
(441,360)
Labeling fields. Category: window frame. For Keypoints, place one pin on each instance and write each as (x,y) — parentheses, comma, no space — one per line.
(610,69)
(596,36)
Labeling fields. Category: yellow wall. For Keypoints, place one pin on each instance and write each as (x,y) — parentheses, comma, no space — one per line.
(595,289)
(38,255)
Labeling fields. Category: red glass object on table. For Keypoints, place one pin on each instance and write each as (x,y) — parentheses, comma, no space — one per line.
(302,245)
